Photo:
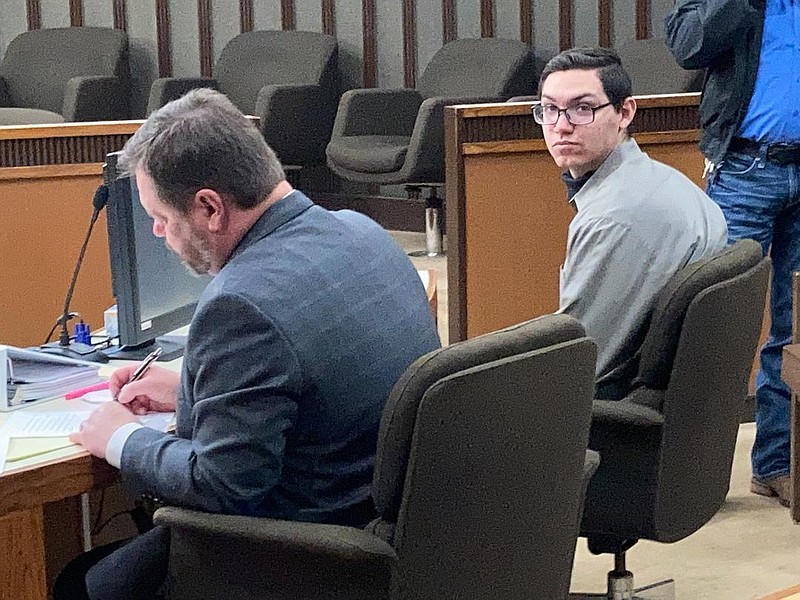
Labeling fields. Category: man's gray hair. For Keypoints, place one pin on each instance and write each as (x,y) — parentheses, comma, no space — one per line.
(203,141)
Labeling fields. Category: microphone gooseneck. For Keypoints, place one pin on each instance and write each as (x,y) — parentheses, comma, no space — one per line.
(99,201)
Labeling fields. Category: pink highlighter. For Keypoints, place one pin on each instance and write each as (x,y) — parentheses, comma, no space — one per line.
(85,390)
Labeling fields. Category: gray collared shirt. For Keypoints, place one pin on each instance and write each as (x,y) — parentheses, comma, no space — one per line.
(638,222)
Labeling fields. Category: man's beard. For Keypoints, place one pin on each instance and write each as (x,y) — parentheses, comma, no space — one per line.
(198,258)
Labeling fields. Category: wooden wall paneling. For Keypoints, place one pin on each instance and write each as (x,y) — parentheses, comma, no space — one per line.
(410,43)
(76,13)
(164,39)
(642,19)
(329,17)
(120,15)
(370,27)
(288,21)
(206,39)
(449,21)
(526,21)
(245,15)
(564,24)
(487,18)
(34,12)
(604,22)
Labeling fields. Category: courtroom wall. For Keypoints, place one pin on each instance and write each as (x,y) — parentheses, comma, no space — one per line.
(386,43)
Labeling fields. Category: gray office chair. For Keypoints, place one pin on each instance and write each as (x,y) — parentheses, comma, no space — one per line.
(478,478)
(65,74)
(385,136)
(288,79)
(653,69)
(667,448)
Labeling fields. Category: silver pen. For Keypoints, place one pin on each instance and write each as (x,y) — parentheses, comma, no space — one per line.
(142,368)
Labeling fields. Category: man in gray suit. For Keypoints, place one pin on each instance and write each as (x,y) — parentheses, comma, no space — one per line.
(310,319)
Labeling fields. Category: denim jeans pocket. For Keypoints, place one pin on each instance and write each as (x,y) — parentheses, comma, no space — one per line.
(737,163)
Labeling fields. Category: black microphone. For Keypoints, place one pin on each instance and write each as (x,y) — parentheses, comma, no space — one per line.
(64,347)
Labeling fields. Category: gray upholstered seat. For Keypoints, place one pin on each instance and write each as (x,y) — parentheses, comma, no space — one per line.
(478,484)
(28,116)
(667,448)
(65,74)
(289,79)
(371,153)
(653,69)
(463,71)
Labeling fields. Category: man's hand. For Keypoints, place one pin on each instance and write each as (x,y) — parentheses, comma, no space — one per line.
(100,426)
(156,391)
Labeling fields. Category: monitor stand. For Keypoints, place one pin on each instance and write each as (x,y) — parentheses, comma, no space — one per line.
(172,347)
(75,350)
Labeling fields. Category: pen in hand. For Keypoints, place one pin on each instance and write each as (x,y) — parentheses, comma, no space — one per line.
(142,368)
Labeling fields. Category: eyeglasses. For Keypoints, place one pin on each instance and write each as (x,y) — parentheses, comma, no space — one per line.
(580,114)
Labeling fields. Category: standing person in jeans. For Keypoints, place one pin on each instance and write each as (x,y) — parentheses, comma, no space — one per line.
(750,116)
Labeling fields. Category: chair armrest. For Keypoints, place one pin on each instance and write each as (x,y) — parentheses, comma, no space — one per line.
(166,89)
(268,558)
(377,112)
(625,413)
(426,148)
(296,121)
(95,98)
(5,93)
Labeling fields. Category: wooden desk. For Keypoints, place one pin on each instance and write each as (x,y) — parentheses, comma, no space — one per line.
(48,176)
(34,482)
(790,372)
(792,593)
(24,493)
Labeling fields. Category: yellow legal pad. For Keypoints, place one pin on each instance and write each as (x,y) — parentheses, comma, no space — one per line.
(22,448)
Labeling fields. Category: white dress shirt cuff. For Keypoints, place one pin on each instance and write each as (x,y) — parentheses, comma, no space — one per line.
(117,442)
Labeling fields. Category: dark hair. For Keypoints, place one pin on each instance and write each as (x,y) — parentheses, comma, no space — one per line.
(616,81)
(203,141)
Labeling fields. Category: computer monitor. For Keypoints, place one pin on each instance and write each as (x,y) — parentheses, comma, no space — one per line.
(156,293)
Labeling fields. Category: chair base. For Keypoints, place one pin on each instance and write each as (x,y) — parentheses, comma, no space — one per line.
(434,225)
(622,589)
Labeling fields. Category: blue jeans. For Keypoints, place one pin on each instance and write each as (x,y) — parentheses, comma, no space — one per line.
(761,201)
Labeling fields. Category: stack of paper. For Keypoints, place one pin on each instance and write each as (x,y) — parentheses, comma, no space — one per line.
(33,376)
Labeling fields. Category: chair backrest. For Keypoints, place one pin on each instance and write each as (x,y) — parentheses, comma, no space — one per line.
(704,332)
(489,67)
(258,58)
(480,463)
(38,63)
(653,69)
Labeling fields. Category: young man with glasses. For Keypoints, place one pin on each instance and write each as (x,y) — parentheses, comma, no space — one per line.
(637,221)
(750,116)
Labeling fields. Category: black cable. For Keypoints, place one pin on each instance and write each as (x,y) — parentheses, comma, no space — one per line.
(109,519)
(57,323)
(99,516)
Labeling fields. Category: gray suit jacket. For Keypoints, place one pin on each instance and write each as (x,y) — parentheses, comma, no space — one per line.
(291,354)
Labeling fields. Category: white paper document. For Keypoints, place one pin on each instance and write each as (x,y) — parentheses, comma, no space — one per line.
(44,424)
(160,421)
(97,397)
